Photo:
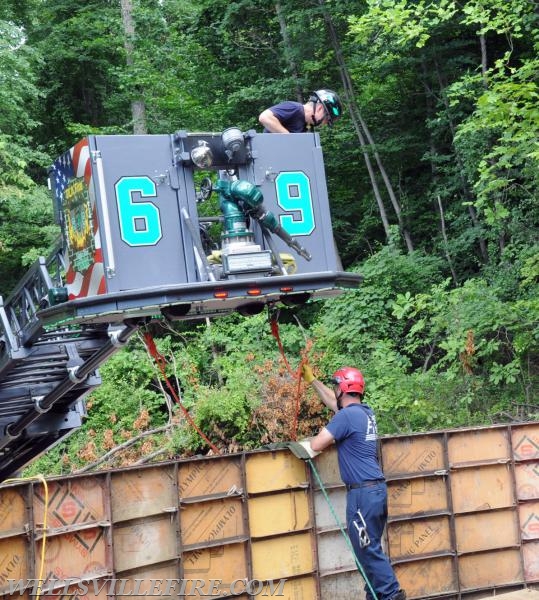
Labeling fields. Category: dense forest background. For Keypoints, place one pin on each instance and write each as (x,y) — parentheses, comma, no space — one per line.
(433,181)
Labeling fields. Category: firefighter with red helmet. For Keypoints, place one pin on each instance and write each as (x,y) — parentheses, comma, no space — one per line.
(353,429)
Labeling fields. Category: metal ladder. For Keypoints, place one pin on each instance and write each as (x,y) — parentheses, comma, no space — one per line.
(45,373)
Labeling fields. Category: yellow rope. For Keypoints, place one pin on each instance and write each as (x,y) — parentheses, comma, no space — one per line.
(43,481)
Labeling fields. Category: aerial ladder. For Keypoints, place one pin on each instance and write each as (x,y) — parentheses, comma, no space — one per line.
(135,247)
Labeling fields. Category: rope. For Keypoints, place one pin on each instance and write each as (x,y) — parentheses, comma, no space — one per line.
(161,362)
(42,479)
(274,325)
(341,527)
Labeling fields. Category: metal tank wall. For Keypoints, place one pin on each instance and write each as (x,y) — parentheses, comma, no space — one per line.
(464,509)
(463,505)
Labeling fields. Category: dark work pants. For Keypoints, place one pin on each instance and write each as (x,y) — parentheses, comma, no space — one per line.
(372,501)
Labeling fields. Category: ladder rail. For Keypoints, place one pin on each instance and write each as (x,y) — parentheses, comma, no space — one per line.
(19,314)
(76,376)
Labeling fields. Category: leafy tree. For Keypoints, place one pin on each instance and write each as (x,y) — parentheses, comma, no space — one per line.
(446,334)
(18,95)
(27,230)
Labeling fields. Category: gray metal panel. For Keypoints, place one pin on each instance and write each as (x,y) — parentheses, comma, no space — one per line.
(342,585)
(334,554)
(187,199)
(325,518)
(281,162)
(143,208)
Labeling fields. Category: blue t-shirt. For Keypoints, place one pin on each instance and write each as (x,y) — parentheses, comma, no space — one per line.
(291,115)
(355,432)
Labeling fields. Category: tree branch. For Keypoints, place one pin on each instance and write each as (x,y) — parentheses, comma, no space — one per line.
(123,446)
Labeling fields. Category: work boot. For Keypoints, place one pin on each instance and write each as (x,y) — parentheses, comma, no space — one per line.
(400,595)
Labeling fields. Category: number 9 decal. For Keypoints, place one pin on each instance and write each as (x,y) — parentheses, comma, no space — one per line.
(140,222)
(294,195)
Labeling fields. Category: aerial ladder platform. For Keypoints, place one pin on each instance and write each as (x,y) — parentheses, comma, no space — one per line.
(136,246)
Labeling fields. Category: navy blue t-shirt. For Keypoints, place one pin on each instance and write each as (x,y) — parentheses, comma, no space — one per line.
(291,115)
(355,432)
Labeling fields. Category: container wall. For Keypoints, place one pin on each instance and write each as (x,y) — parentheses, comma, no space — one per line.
(463,519)
(468,500)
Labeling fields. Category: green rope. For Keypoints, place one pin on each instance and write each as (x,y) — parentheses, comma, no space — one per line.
(343,531)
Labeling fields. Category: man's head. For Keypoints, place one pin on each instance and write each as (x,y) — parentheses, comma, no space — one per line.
(327,107)
(349,384)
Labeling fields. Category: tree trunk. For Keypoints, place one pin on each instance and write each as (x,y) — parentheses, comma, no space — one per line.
(288,52)
(138,108)
(465,188)
(484,67)
(429,107)
(361,128)
(484,74)
(446,245)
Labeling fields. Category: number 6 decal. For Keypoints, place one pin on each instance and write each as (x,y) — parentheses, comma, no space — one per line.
(140,222)
(294,195)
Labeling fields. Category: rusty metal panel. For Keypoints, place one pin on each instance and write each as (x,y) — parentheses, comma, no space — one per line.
(142,492)
(414,454)
(228,563)
(12,511)
(13,561)
(226,500)
(74,502)
(144,583)
(527,481)
(144,542)
(525,442)
(25,596)
(530,555)
(97,590)
(342,585)
(419,536)
(482,488)
(477,445)
(81,589)
(204,477)
(302,588)
(529,520)
(77,554)
(421,578)
(334,553)
(278,513)
(327,466)
(212,521)
(280,557)
(486,531)
(269,471)
(210,589)
(324,513)
(416,496)
(490,569)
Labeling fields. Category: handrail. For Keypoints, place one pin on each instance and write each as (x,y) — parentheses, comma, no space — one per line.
(18,314)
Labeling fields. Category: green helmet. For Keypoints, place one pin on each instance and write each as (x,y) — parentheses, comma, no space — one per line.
(331,102)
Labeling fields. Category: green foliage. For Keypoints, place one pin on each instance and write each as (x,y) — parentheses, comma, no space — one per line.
(128,402)
(27,231)
(474,333)
(446,335)
(18,91)
(508,113)
(353,322)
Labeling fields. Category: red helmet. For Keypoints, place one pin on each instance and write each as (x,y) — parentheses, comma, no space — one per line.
(349,380)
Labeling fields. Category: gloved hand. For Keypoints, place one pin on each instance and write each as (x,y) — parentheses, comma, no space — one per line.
(307,373)
(302,449)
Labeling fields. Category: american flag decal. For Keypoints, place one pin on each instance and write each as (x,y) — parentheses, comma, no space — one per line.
(84,266)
